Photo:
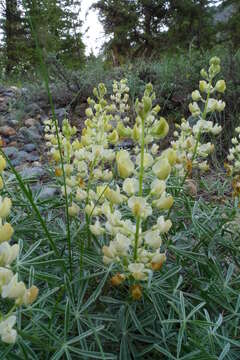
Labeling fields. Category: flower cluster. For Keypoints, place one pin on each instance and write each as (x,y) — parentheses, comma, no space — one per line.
(88,161)
(126,208)
(233,164)
(10,287)
(191,152)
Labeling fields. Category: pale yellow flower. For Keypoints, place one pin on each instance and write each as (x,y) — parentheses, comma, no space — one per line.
(139,207)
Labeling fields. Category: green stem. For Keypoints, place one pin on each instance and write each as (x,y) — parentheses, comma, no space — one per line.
(141,172)
(35,208)
(46,81)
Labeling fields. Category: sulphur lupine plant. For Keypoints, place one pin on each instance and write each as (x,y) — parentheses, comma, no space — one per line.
(107,181)
(232,165)
(121,190)
(10,287)
(192,151)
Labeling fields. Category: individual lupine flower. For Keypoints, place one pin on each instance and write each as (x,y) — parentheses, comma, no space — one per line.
(139,207)
(6,232)
(138,271)
(8,253)
(97,229)
(162,168)
(130,186)
(7,333)
(153,238)
(124,164)
(165,202)
(6,276)
(14,289)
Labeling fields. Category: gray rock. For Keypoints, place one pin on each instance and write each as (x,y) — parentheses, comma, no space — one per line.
(11,151)
(33,172)
(61,114)
(31,134)
(12,122)
(33,109)
(48,192)
(23,157)
(29,147)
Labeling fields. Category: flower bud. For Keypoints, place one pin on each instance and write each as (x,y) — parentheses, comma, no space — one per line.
(89,112)
(160,128)
(220,86)
(157,261)
(136,133)
(215,61)
(5,207)
(73,210)
(136,292)
(124,164)
(147,104)
(113,137)
(171,155)
(194,109)
(203,86)
(118,279)
(196,96)
(2,163)
(6,232)
(162,169)
(164,203)
(204,74)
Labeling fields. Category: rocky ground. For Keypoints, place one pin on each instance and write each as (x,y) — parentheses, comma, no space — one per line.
(23,138)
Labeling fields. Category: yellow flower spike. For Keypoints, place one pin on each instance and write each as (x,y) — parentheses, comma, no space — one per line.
(3,163)
(162,168)
(6,232)
(5,207)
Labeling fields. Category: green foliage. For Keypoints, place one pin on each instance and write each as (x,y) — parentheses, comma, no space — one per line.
(54,23)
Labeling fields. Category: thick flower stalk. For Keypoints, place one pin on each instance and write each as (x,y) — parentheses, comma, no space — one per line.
(191,151)
(10,287)
(135,239)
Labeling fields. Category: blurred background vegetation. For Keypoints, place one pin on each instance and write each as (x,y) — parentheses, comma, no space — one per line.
(166,42)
